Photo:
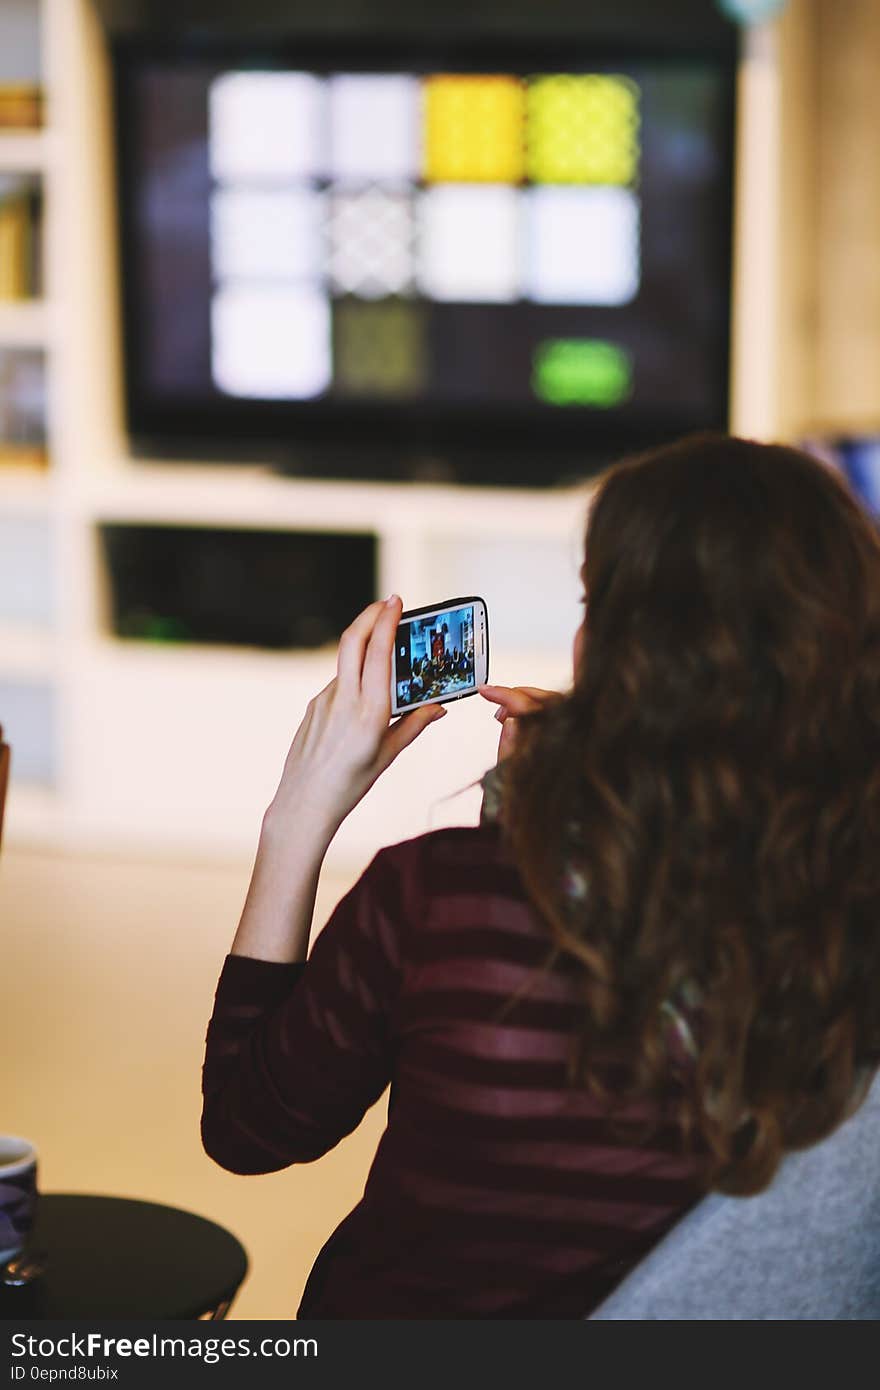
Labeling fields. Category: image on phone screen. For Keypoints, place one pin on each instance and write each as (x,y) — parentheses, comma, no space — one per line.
(441,654)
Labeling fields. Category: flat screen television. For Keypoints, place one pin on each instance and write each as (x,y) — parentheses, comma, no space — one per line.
(495,265)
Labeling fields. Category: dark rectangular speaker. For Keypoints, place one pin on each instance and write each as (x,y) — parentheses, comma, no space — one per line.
(279,589)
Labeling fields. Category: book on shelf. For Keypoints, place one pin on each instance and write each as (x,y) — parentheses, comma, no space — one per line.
(22,407)
(21,253)
(21,106)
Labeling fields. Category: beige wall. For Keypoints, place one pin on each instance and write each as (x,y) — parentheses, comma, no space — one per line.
(828,254)
(797,287)
(847,159)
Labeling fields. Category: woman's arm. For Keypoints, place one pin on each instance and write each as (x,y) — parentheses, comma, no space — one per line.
(342,746)
(277,914)
(295,1053)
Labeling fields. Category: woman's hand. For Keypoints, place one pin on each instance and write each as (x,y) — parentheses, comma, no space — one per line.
(513,702)
(340,748)
(345,742)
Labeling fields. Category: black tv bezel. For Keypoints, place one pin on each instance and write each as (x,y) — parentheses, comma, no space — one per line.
(363,440)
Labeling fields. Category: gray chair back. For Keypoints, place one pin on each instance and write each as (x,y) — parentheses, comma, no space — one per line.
(808,1247)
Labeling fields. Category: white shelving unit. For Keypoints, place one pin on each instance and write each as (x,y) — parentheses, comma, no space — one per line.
(28,650)
(179,748)
(25,151)
(25,324)
(23,489)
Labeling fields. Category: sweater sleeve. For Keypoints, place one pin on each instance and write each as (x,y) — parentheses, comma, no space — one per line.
(296,1054)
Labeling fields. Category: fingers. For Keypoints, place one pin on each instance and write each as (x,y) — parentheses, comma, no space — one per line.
(507,741)
(376,674)
(527,692)
(353,645)
(513,701)
(406,730)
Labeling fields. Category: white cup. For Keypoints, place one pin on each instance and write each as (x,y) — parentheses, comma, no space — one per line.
(18,1193)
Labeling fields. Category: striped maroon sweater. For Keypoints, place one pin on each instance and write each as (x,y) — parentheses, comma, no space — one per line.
(497,1191)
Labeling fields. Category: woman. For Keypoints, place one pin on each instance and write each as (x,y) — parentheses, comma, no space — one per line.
(655,965)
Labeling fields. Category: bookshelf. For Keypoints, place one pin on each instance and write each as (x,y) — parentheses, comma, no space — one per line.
(29,519)
(178,748)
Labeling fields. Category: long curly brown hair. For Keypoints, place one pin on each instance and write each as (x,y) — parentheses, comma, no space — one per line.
(714,775)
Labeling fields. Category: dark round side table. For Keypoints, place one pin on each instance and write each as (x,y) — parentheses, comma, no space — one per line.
(112,1257)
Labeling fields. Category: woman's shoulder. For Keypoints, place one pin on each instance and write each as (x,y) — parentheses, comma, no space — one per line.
(465,858)
(456,843)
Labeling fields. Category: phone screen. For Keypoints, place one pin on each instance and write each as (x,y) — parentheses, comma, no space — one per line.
(435,655)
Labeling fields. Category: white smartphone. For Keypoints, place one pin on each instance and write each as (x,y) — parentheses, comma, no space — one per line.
(441,654)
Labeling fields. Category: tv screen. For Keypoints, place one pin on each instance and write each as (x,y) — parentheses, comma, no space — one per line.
(502,270)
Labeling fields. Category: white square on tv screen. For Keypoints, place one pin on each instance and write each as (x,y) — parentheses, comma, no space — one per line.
(370,234)
(265,125)
(375,122)
(271,342)
(269,234)
(469,243)
(582,245)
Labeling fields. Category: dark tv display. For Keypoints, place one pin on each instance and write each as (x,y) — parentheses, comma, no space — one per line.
(497,268)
